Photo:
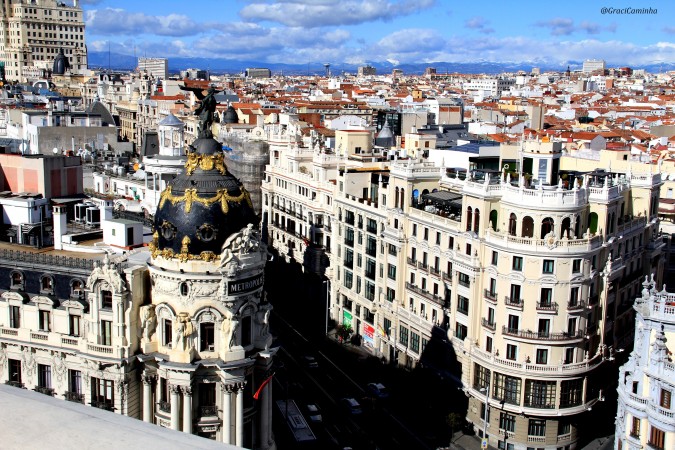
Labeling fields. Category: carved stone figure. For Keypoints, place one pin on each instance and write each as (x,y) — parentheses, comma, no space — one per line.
(148,322)
(229,329)
(107,272)
(182,330)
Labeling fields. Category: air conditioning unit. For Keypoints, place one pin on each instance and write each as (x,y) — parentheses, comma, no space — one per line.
(211,348)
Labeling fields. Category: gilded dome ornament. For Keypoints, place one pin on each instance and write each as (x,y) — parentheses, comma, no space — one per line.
(205,162)
(191,197)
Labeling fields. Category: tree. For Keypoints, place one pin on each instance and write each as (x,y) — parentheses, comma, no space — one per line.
(454,420)
(343,332)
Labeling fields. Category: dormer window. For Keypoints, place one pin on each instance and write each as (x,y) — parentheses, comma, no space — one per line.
(77,289)
(17,280)
(47,284)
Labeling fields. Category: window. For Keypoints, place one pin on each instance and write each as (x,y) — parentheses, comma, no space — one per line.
(106,332)
(507,422)
(14,316)
(207,399)
(468,249)
(544,327)
(536,427)
(464,279)
(17,280)
(386,323)
(571,392)
(488,344)
(511,352)
(414,229)
(576,265)
(391,271)
(569,355)
(635,427)
(665,398)
(415,342)
(77,289)
(546,297)
(517,263)
(391,294)
(513,323)
(167,335)
(392,250)
(540,394)
(75,381)
(106,299)
(512,224)
(102,393)
(574,296)
(44,376)
(481,376)
(426,234)
(460,331)
(462,305)
(73,325)
(542,356)
(403,335)
(451,242)
(370,291)
(438,238)
(495,258)
(43,318)
(206,337)
(370,268)
(245,331)
(349,281)
(657,438)
(547,266)
(14,371)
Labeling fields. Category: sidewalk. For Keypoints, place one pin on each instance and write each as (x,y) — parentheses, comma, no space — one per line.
(461,441)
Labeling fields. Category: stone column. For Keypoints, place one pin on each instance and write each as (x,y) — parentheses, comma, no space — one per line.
(187,409)
(148,409)
(227,414)
(175,407)
(239,419)
(265,417)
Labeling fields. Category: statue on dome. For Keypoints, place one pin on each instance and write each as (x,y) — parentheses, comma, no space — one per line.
(206,109)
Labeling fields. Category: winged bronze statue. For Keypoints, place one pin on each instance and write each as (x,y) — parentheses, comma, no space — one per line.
(207,107)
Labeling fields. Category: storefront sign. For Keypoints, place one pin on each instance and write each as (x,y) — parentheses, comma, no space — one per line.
(245,285)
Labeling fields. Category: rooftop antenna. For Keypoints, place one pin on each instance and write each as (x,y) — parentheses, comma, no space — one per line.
(327,66)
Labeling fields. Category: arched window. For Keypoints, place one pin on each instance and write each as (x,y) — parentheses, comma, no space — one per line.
(577,227)
(528,227)
(183,288)
(46,284)
(396,198)
(593,222)
(513,221)
(402,198)
(469,218)
(565,228)
(77,288)
(476,221)
(546,226)
(17,280)
(493,219)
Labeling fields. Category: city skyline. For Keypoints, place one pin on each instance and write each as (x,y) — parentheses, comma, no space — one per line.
(399,32)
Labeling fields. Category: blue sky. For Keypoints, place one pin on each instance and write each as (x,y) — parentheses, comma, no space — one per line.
(399,31)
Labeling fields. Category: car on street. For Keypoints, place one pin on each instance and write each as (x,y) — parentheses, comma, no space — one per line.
(377,390)
(351,406)
(310,361)
(313,413)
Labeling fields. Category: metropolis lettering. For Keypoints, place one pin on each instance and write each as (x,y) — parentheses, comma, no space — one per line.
(245,285)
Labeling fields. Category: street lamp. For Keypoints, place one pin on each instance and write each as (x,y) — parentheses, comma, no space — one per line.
(486,389)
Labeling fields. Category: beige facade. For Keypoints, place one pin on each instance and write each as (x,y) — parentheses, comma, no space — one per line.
(31,34)
(529,280)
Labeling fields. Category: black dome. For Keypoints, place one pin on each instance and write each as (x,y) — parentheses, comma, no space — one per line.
(230,115)
(61,63)
(201,207)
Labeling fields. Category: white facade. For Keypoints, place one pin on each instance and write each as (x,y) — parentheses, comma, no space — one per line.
(646,413)
(593,65)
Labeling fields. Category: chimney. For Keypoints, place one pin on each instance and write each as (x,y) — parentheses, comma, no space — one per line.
(106,210)
(60,226)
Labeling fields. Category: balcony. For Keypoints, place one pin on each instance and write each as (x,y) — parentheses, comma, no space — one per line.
(576,306)
(547,306)
(69,340)
(74,397)
(489,295)
(447,277)
(100,348)
(514,302)
(412,262)
(165,406)
(428,295)
(464,283)
(487,324)
(422,265)
(44,390)
(17,384)
(542,335)
(435,271)
(208,411)
(10,331)
(101,404)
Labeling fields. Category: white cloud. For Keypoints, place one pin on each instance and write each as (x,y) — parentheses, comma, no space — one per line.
(111,21)
(310,13)
(561,26)
(479,24)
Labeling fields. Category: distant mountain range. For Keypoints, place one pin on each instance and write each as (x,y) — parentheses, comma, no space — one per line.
(118,61)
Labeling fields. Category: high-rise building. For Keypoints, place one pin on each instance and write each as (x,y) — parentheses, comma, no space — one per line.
(646,413)
(365,71)
(258,73)
(32,33)
(596,66)
(157,67)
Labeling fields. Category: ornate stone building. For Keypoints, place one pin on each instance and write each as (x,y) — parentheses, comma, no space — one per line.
(181,341)
(646,414)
